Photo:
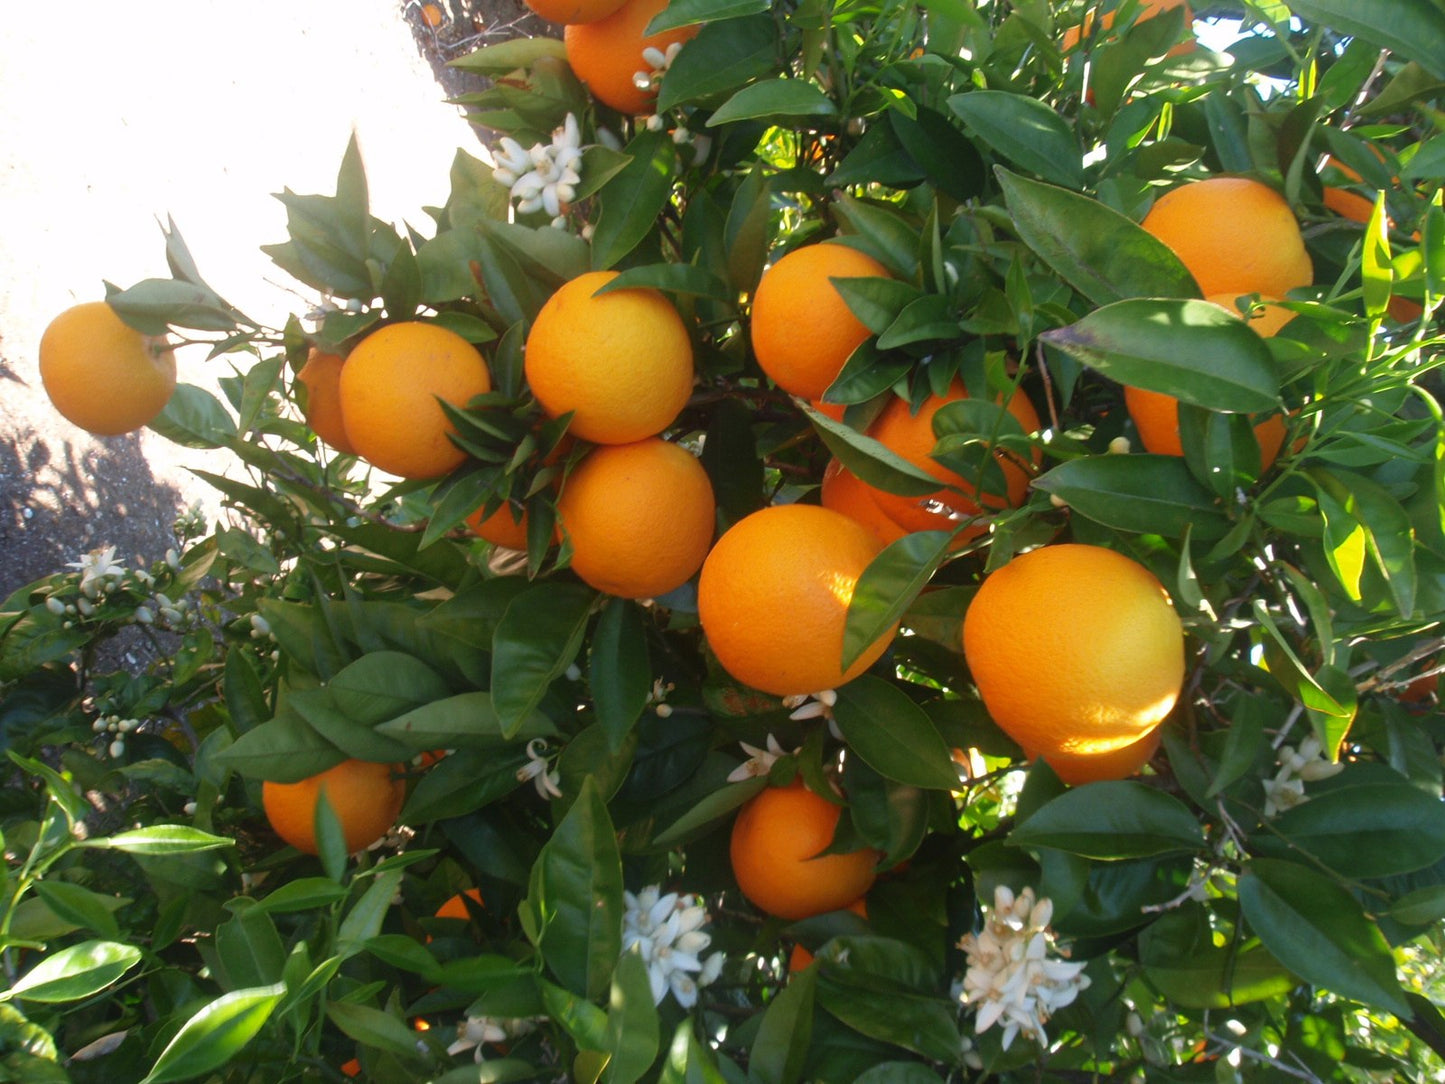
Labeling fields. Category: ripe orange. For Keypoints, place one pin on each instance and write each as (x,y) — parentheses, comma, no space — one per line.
(773,598)
(365,796)
(640,517)
(1348,204)
(571,12)
(501,528)
(1148,9)
(843,491)
(622,362)
(1076,768)
(321,376)
(802,330)
(1075,649)
(103,375)
(432,15)
(606,54)
(1156,415)
(1235,235)
(911,436)
(390,385)
(456,907)
(776,840)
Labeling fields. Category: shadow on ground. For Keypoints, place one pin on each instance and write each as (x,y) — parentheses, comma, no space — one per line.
(59,500)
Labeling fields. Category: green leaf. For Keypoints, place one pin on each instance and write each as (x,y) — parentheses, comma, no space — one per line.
(926,1025)
(462,782)
(576,896)
(1192,350)
(467,721)
(81,907)
(714,807)
(677,278)
(619,671)
(1145,494)
(780,1051)
(888,587)
(633,200)
(1414,29)
(1025,131)
(250,947)
(284,749)
(730,457)
(870,460)
(303,894)
(1103,254)
(777,101)
(1367,830)
(215,1035)
(949,161)
(725,55)
(384,684)
(1422,907)
(506,57)
(160,839)
(632,1022)
(688,12)
(152,305)
(536,640)
(364,920)
(1112,820)
(75,973)
(1182,962)
(373,1027)
(1317,930)
(1386,529)
(194,418)
(893,735)
(351,736)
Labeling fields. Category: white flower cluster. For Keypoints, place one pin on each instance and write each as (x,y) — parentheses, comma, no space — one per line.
(114,724)
(1014,974)
(759,762)
(1307,764)
(665,931)
(475,1031)
(544,177)
(101,574)
(98,571)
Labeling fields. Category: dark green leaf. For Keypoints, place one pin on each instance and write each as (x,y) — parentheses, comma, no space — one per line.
(467,721)
(383,684)
(632,1022)
(725,55)
(893,735)
(775,100)
(194,418)
(632,201)
(948,160)
(888,587)
(780,1050)
(677,278)
(1317,929)
(1412,28)
(1025,131)
(1192,350)
(687,12)
(618,670)
(1146,494)
(576,894)
(536,640)
(1364,831)
(1112,820)
(925,1025)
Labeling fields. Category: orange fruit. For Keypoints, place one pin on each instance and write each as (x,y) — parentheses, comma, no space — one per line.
(365,796)
(1348,204)
(432,15)
(829,410)
(390,387)
(1235,235)
(621,362)
(639,516)
(1156,415)
(571,12)
(501,528)
(1076,768)
(773,598)
(1148,9)
(776,840)
(351,1068)
(456,907)
(1075,649)
(801,328)
(321,376)
(800,957)
(843,491)
(911,436)
(606,54)
(103,375)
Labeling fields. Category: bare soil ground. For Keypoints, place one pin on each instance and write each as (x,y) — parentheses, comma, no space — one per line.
(197,113)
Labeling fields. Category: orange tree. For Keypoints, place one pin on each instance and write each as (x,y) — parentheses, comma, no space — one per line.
(1184,823)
